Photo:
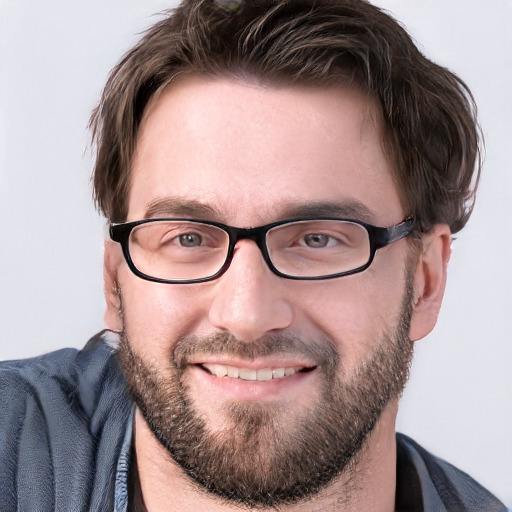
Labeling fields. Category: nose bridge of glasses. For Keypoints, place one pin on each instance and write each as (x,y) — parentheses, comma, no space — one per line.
(257,235)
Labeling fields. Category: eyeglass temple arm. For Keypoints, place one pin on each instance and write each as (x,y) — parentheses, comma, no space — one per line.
(395,233)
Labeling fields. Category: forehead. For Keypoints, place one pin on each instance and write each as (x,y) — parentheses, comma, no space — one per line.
(249,153)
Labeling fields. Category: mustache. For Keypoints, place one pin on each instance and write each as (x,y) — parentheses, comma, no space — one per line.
(321,352)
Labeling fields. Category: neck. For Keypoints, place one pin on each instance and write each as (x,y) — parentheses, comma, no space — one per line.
(369,486)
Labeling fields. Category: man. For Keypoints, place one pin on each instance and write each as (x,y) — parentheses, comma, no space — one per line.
(282,181)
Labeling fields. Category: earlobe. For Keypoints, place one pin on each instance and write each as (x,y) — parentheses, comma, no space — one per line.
(429,280)
(111,259)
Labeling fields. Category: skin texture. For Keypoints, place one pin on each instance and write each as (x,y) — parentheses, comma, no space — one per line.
(247,155)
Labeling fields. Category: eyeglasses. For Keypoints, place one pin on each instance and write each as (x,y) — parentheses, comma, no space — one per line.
(193,251)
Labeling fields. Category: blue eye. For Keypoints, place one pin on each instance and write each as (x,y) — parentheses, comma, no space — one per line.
(190,240)
(316,240)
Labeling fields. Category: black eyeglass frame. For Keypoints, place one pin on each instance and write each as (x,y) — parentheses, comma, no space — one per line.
(379,237)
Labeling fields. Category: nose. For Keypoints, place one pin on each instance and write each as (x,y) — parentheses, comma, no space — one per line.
(249,300)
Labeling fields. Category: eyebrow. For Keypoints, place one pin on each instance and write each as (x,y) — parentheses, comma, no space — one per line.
(177,206)
(350,209)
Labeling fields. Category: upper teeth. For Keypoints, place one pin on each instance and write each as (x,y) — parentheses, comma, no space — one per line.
(263,374)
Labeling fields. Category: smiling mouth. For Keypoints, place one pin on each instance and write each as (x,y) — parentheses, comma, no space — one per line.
(250,374)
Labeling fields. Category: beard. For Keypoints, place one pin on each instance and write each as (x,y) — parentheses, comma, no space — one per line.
(265,457)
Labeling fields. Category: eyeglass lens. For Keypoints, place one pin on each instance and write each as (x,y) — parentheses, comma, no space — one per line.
(318,247)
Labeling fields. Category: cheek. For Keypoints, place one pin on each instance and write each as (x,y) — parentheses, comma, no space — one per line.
(156,315)
(357,310)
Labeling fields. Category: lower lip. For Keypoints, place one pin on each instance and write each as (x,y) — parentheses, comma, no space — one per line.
(239,389)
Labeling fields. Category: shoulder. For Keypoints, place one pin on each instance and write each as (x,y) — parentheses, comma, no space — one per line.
(66,374)
(437,483)
(64,380)
(63,420)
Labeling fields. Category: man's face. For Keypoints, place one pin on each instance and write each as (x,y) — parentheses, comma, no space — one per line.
(246,155)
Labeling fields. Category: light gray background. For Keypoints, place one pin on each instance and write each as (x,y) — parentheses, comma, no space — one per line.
(54,58)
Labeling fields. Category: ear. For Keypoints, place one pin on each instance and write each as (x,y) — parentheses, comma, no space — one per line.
(430,280)
(111,258)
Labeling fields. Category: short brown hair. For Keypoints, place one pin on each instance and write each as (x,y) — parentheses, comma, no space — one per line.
(431,130)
